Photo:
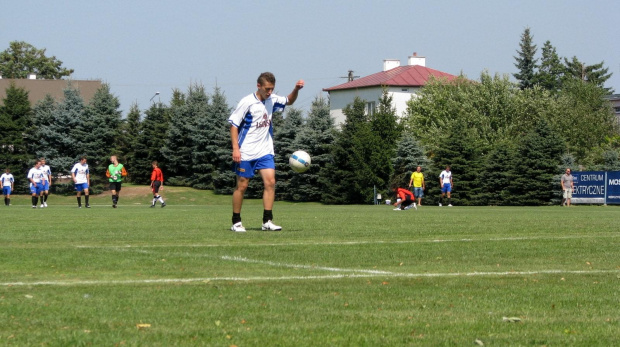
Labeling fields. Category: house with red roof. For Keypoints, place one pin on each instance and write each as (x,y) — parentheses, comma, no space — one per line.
(402,82)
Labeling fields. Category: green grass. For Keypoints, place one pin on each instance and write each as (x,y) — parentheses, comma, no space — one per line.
(336,275)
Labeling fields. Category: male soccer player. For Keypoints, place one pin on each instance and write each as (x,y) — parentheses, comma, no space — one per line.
(157,184)
(81,177)
(251,133)
(46,181)
(445,181)
(404,199)
(7,185)
(115,173)
(417,179)
(35,176)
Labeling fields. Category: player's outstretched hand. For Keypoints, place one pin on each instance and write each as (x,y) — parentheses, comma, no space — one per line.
(299,84)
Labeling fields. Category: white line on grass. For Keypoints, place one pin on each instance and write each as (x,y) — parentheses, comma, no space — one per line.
(344,243)
(299,278)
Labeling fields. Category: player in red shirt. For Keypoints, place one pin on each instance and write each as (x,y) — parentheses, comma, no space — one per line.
(407,200)
(157,184)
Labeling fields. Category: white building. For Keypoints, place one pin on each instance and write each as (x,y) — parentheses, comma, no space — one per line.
(402,82)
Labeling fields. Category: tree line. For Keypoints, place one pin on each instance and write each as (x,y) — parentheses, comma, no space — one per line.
(506,142)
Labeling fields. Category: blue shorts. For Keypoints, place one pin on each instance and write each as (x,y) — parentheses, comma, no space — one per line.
(46,185)
(246,168)
(81,186)
(6,190)
(36,189)
(447,188)
(418,192)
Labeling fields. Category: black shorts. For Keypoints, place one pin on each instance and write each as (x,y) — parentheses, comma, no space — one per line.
(155,186)
(115,186)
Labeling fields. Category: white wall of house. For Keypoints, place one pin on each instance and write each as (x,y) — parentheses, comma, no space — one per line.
(339,99)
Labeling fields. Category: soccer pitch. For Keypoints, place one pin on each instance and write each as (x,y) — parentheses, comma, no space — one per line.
(335,276)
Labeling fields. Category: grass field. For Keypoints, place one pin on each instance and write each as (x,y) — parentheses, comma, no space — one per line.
(335,276)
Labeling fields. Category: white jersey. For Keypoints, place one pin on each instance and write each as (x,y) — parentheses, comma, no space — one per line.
(7,179)
(252,118)
(35,174)
(446,176)
(80,171)
(47,172)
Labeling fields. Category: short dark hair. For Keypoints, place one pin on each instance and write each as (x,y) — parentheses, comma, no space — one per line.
(266,77)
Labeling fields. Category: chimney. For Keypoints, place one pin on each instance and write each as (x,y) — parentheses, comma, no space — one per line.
(415,60)
(32,76)
(389,64)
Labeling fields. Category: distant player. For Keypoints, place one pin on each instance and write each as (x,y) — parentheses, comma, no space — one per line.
(81,177)
(157,184)
(46,180)
(251,134)
(35,176)
(115,173)
(445,181)
(404,199)
(7,185)
(417,180)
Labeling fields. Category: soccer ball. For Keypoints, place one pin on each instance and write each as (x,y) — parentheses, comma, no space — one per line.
(299,161)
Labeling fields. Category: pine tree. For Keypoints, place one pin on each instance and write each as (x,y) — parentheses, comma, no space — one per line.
(129,132)
(15,116)
(148,147)
(494,178)
(595,74)
(551,70)
(526,63)
(409,155)
(284,145)
(350,166)
(532,173)
(212,151)
(386,131)
(315,138)
(102,120)
(179,144)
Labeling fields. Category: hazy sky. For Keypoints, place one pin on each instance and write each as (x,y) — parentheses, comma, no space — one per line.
(142,47)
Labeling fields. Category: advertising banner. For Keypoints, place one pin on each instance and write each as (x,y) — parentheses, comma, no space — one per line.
(613,187)
(589,187)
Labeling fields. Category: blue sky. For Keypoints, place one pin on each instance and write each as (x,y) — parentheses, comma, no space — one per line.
(142,47)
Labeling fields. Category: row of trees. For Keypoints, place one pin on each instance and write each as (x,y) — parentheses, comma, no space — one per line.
(506,142)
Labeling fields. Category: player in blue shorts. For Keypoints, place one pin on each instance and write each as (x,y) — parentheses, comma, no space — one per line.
(251,133)
(8,182)
(81,177)
(445,180)
(46,180)
(35,176)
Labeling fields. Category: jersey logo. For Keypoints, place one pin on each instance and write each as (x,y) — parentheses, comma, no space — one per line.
(264,123)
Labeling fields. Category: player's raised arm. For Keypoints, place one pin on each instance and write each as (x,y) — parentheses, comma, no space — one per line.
(293,96)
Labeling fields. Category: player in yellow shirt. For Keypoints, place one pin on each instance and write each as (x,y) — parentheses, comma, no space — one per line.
(417,179)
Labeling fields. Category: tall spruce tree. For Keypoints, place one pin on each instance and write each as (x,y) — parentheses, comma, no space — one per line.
(494,179)
(148,147)
(102,120)
(532,173)
(386,131)
(595,74)
(409,155)
(129,133)
(526,61)
(551,70)
(315,138)
(15,117)
(211,151)
(284,145)
(350,154)
(179,144)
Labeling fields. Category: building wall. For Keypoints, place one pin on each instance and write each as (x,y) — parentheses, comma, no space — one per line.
(339,99)
(37,89)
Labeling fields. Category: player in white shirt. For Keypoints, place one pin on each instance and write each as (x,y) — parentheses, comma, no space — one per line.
(445,181)
(36,187)
(46,180)
(81,177)
(7,185)
(251,133)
